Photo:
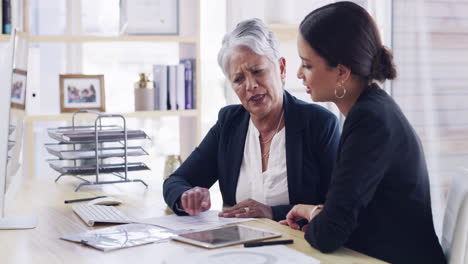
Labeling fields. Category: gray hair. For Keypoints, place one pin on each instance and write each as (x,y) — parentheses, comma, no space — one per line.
(253,34)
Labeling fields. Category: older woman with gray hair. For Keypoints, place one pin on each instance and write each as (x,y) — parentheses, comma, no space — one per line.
(270,152)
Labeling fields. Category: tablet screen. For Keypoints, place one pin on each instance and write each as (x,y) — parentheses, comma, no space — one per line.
(226,236)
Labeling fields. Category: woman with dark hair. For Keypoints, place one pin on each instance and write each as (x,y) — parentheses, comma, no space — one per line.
(378,202)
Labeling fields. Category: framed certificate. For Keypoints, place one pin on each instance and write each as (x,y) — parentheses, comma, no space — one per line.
(155,17)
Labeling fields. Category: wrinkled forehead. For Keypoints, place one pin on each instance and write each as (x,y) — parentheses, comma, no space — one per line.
(243,58)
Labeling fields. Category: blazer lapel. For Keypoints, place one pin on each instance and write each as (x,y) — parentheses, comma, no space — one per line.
(235,153)
(294,146)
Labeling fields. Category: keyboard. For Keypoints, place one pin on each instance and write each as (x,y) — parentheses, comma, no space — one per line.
(92,214)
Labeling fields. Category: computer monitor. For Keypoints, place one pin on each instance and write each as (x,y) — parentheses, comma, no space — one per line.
(17,54)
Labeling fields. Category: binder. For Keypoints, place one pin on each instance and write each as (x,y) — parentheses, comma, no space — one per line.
(180,86)
(172,82)
(160,84)
(189,66)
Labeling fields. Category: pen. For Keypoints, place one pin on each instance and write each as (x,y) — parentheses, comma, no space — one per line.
(83,199)
(269,243)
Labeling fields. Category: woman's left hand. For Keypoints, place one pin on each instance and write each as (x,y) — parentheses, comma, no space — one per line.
(248,208)
(299,212)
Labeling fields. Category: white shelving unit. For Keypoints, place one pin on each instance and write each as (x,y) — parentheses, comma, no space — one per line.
(188,41)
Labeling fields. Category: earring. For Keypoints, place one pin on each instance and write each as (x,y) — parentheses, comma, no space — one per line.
(344,91)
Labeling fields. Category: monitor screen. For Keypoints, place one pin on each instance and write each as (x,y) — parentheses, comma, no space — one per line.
(13,85)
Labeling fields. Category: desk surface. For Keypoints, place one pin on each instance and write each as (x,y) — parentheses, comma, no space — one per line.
(44,198)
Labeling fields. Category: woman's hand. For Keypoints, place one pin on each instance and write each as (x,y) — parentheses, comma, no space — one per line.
(299,212)
(195,200)
(248,208)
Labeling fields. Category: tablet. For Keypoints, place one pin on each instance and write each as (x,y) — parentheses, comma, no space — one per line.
(225,236)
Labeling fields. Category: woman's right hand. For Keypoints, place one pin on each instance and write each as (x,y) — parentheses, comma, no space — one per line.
(195,200)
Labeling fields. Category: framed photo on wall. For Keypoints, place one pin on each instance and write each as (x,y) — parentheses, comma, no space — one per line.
(155,17)
(18,89)
(79,92)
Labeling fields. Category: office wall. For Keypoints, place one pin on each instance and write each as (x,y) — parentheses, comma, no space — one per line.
(430,43)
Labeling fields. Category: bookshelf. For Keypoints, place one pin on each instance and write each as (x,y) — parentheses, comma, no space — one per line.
(135,38)
(285,32)
(188,41)
(4,38)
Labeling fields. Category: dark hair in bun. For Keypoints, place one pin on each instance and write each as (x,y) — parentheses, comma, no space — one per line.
(344,33)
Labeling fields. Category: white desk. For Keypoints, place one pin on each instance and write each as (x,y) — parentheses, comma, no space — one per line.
(44,198)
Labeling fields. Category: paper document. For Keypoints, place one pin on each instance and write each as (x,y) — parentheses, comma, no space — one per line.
(205,220)
(270,254)
(121,236)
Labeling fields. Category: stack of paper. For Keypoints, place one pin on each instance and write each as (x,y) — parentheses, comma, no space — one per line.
(182,224)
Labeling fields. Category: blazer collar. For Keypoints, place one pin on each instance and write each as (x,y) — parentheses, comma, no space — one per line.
(294,145)
(292,113)
(235,154)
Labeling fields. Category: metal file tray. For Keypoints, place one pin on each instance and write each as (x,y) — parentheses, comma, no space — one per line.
(11,144)
(89,135)
(109,152)
(96,149)
(65,168)
(11,129)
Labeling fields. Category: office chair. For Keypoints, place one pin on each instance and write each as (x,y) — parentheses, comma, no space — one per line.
(455,230)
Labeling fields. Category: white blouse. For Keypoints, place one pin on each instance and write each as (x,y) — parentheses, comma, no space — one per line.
(269,187)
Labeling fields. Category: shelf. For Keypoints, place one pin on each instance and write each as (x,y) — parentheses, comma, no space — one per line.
(83,38)
(4,37)
(138,114)
(285,32)
(141,38)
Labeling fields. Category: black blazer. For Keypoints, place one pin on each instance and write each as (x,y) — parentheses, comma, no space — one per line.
(312,135)
(379,201)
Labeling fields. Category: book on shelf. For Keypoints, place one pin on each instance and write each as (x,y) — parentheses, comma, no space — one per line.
(174,86)
(6,17)
(189,66)
(82,136)
(1,16)
(180,87)
(172,94)
(57,151)
(160,86)
(91,169)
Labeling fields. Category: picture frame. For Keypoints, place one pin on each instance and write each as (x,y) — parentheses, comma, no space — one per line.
(18,89)
(156,17)
(79,91)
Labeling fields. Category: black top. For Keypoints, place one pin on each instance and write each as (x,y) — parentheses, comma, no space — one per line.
(312,135)
(379,201)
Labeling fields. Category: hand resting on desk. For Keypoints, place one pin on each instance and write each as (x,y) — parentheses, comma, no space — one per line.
(300,212)
(195,200)
(248,208)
